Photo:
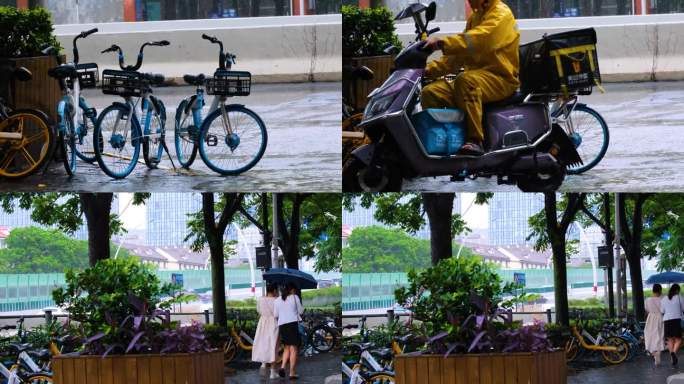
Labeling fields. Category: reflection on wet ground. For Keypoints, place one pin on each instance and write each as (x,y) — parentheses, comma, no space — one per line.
(646,152)
(303,152)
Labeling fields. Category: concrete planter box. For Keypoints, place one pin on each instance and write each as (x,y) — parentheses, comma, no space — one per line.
(180,368)
(42,91)
(504,368)
(380,65)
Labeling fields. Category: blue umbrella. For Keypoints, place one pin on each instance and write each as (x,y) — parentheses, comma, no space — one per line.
(287,275)
(666,278)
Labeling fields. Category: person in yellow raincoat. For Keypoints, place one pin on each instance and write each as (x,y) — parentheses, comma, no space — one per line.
(488,51)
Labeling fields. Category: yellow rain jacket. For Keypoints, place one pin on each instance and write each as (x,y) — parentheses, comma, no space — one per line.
(488,50)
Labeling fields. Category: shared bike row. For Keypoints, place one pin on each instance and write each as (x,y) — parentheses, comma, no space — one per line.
(230,138)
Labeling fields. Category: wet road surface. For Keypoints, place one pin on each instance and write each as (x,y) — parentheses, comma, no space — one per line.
(311,370)
(303,151)
(646,151)
(640,370)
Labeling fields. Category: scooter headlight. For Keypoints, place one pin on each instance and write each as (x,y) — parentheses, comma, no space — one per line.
(379,105)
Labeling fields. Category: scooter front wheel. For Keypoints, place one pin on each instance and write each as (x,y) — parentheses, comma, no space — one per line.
(358,177)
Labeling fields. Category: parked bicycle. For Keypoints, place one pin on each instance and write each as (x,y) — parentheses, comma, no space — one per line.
(119,131)
(231,139)
(26,138)
(75,124)
(613,349)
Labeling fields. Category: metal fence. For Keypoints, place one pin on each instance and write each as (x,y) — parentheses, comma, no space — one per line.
(365,291)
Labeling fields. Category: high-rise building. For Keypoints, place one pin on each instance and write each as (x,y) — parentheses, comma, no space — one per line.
(364,217)
(508,217)
(167,217)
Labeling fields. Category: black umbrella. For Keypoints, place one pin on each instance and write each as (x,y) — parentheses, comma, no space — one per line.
(287,275)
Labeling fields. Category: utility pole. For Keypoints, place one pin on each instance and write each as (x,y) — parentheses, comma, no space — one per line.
(622,264)
(608,240)
(275,260)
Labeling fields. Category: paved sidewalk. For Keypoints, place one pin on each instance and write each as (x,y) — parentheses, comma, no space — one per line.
(311,370)
(638,371)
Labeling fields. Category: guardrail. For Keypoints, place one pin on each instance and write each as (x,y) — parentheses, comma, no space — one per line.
(630,48)
(274,49)
(390,316)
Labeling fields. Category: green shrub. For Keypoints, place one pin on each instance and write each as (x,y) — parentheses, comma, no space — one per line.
(365,32)
(99,295)
(25,32)
(445,290)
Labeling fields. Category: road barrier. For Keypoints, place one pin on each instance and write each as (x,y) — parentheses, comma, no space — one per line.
(274,49)
(630,48)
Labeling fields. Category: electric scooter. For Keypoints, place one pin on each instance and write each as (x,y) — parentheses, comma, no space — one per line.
(523,144)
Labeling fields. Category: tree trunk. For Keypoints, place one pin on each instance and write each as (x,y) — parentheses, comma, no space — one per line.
(560,275)
(632,244)
(439,207)
(215,241)
(292,254)
(97,207)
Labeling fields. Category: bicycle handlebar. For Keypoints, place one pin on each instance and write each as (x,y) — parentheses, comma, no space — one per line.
(226,60)
(139,61)
(81,35)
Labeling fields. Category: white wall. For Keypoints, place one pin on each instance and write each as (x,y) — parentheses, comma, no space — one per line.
(274,49)
(630,48)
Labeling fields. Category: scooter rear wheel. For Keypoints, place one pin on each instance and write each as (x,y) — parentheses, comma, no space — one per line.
(355,178)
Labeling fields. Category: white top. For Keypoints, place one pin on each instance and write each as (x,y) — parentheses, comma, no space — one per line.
(288,310)
(671,309)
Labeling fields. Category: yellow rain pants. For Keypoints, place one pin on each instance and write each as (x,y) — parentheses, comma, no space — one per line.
(488,52)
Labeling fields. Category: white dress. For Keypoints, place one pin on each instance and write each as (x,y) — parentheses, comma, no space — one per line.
(266,338)
(654,329)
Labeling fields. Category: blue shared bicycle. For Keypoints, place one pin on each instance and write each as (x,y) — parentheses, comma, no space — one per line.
(75,124)
(119,131)
(231,139)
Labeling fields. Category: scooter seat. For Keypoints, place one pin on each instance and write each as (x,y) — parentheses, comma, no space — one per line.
(515,98)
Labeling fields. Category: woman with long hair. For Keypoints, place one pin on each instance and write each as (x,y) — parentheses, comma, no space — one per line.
(671,307)
(288,310)
(654,329)
(265,348)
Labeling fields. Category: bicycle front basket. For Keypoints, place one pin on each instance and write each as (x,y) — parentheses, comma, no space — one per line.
(229,83)
(122,83)
(87,75)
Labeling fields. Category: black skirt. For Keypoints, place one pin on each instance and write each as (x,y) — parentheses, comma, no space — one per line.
(673,328)
(289,333)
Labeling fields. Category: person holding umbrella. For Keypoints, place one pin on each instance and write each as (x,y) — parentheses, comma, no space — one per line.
(288,310)
(671,307)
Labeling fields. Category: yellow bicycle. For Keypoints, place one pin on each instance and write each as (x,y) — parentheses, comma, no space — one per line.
(26,139)
(613,349)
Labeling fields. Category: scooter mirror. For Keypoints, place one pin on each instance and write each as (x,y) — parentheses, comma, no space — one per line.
(431,12)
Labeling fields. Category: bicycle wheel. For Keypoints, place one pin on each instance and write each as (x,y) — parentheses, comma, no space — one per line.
(322,339)
(230,350)
(153,148)
(618,356)
(84,136)
(379,378)
(589,134)
(67,143)
(37,378)
(118,141)
(237,152)
(571,349)
(185,136)
(28,149)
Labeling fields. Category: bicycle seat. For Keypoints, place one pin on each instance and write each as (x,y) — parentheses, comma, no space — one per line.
(404,339)
(41,354)
(194,80)
(383,353)
(20,347)
(8,327)
(363,346)
(63,71)
(22,74)
(515,98)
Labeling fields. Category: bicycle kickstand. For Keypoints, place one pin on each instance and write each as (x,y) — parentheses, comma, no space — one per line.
(166,149)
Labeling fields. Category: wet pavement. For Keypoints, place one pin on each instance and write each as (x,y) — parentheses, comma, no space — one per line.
(640,370)
(303,151)
(312,370)
(646,151)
